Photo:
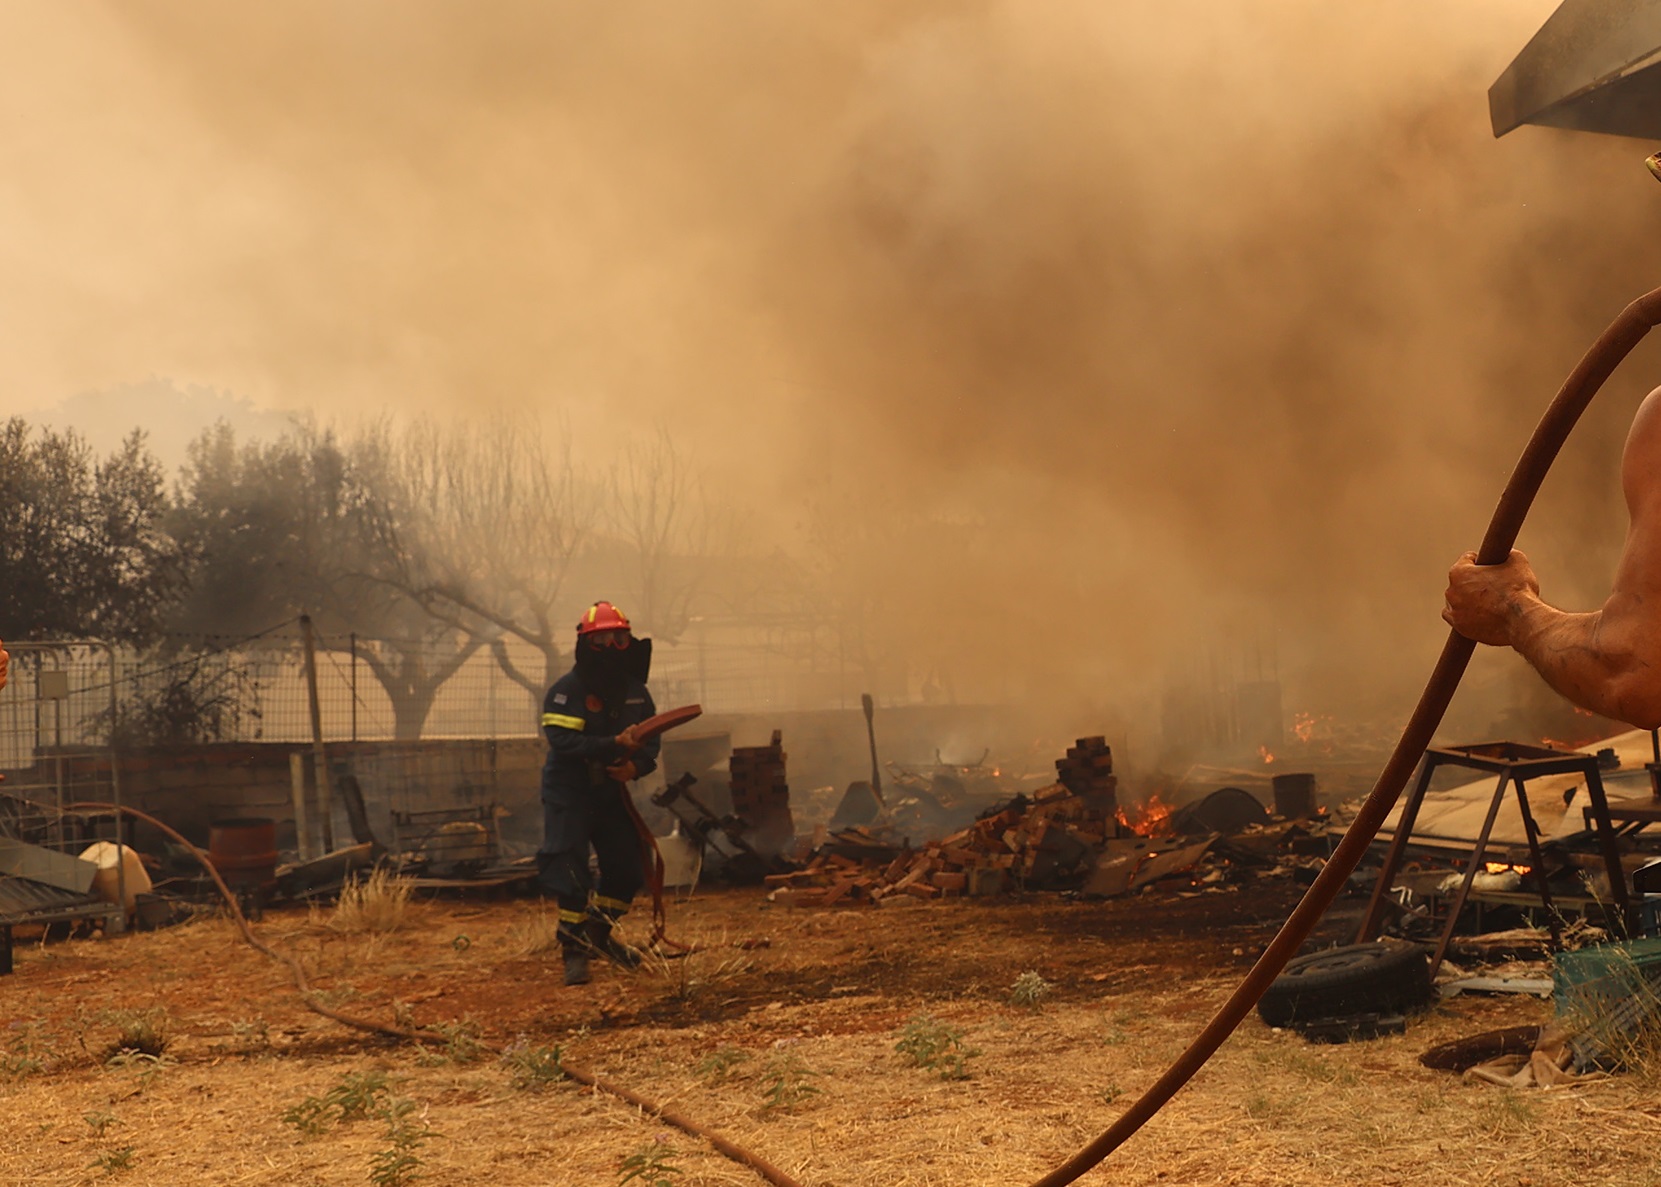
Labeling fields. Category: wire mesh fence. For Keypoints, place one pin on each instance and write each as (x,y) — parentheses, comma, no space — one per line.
(59,705)
(259,689)
(56,760)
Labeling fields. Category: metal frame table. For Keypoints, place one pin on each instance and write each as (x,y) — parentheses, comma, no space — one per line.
(1515,763)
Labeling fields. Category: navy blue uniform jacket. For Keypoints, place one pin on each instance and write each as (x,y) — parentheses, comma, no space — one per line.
(582,732)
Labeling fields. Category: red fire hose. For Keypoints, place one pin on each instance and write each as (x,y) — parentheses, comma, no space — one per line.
(653,857)
(1583,383)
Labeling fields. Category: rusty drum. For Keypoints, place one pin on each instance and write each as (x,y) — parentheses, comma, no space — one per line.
(244,851)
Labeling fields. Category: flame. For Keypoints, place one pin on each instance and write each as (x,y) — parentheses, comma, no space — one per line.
(1148,819)
(1264,751)
(1500,867)
(1305,725)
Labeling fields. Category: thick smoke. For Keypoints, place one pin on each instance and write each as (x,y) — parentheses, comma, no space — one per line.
(1094,337)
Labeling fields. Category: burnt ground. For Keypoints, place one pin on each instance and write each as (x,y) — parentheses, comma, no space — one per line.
(491,964)
(780,1031)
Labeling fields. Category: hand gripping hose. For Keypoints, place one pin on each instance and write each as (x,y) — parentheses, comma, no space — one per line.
(1583,383)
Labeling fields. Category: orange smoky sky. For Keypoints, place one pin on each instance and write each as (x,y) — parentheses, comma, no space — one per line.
(1194,319)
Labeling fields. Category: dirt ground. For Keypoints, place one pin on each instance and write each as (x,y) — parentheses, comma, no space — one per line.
(779,1034)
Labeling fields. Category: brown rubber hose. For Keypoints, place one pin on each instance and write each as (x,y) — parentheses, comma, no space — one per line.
(731,1149)
(1617,342)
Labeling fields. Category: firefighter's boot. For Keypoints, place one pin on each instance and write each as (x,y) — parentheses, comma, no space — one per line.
(602,941)
(573,944)
(576,967)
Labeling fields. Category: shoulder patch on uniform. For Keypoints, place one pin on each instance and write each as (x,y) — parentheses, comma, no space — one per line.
(559,698)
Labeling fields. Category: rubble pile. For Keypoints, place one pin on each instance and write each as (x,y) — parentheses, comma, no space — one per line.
(1046,841)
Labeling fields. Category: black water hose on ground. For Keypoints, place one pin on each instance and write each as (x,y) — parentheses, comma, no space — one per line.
(729,1148)
(1636,320)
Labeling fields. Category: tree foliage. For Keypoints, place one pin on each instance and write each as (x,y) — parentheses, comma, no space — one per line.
(293,526)
(427,541)
(84,551)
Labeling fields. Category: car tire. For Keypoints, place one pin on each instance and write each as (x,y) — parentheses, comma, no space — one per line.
(1381,978)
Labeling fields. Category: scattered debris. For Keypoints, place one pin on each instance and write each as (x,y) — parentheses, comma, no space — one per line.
(722,838)
(1072,836)
(1529,986)
(1608,1000)
(1047,841)
(1226,810)
(1611,995)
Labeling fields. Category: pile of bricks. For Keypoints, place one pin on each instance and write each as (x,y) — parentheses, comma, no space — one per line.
(761,794)
(1047,841)
(1087,771)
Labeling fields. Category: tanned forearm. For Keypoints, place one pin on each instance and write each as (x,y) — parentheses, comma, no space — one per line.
(1584,657)
(1608,661)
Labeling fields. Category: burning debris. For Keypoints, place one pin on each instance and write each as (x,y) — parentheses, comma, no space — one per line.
(1071,836)
(1039,842)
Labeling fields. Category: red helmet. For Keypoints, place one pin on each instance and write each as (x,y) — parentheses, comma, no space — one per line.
(602,616)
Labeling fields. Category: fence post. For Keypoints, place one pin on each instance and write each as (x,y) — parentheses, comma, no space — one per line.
(320,767)
(297,788)
(115,797)
(354,638)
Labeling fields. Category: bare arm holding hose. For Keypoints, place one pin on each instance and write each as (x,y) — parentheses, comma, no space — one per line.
(1607,660)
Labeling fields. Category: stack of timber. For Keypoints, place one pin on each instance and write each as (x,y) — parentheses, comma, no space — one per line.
(1049,841)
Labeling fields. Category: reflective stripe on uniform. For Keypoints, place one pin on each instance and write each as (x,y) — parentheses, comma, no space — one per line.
(572,916)
(610,904)
(564,721)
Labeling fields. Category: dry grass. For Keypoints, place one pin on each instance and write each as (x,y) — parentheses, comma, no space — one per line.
(535,933)
(1269,1111)
(712,964)
(375,905)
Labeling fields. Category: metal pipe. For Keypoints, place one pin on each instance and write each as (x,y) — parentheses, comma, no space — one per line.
(320,767)
(1624,333)
(1373,920)
(1471,865)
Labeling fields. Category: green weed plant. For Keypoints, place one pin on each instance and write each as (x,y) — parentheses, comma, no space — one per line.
(929,1043)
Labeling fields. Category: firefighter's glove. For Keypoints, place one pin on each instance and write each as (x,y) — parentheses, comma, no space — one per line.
(623,772)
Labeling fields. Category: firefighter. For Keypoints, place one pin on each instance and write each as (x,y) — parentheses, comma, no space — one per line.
(588,716)
(5,662)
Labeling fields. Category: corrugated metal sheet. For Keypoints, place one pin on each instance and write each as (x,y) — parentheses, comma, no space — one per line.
(22,899)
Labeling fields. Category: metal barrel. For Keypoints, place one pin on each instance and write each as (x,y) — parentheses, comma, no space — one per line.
(244,851)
